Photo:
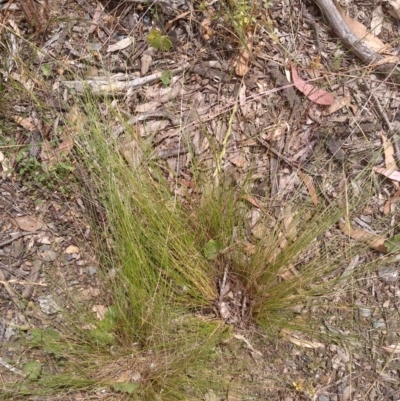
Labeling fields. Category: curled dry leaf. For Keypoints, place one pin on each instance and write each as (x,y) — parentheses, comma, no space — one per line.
(145,63)
(207,31)
(310,186)
(242,65)
(374,241)
(100,311)
(390,162)
(29,123)
(313,93)
(122,44)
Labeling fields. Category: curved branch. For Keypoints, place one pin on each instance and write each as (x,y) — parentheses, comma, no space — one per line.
(357,46)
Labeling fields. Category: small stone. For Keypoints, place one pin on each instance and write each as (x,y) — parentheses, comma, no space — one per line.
(323,397)
(388,274)
(72,249)
(48,256)
(91,270)
(45,240)
(48,305)
(345,394)
(365,312)
(379,324)
(210,396)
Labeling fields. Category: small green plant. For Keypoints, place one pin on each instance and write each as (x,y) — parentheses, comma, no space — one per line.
(46,70)
(239,16)
(159,41)
(33,369)
(166,77)
(31,170)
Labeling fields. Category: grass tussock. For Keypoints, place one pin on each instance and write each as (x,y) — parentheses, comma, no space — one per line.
(165,261)
(169,263)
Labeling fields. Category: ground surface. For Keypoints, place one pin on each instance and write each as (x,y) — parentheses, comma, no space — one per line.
(47,252)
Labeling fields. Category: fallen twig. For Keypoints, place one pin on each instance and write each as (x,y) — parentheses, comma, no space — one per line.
(10,291)
(9,241)
(357,46)
(106,87)
(32,280)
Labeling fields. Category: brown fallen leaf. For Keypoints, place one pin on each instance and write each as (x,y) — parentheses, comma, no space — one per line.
(391,167)
(337,105)
(242,65)
(372,240)
(51,156)
(29,123)
(87,294)
(393,175)
(120,45)
(390,203)
(100,311)
(312,92)
(28,223)
(386,60)
(393,348)
(310,186)
(361,31)
(388,149)
(396,8)
(206,30)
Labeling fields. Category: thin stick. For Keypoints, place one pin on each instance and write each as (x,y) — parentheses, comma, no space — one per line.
(11,368)
(9,241)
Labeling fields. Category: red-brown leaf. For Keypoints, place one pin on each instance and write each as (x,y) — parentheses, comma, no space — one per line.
(314,93)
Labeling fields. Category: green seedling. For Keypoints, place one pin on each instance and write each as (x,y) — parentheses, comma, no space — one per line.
(159,41)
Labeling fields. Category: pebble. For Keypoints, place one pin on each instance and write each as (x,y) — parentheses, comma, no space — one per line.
(388,274)
(48,256)
(379,324)
(48,305)
(323,397)
(91,270)
(365,312)
(345,393)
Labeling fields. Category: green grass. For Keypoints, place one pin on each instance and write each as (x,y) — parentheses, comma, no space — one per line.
(163,260)
(164,283)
